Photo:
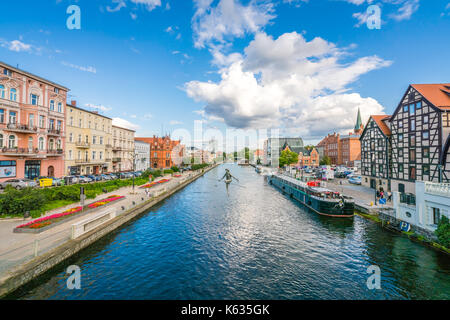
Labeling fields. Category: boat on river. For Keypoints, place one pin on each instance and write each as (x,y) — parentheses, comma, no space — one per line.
(319,199)
(258,169)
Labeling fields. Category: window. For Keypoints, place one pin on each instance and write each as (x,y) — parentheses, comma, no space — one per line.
(426,169)
(425,134)
(79,123)
(71,121)
(380,168)
(425,119)
(101,140)
(41,143)
(11,141)
(30,143)
(412,109)
(70,154)
(41,122)
(412,155)
(59,107)
(34,99)
(436,215)
(418,105)
(58,144)
(31,120)
(2,91)
(400,137)
(13,95)
(8,73)
(51,144)
(100,155)
(71,137)
(2,116)
(412,140)
(400,168)
(93,155)
(1,140)
(56,90)
(400,124)
(412,125)
(52,105)
(400,152)
(12,117)
(58,125)
(380,154)
(412,173)
(94,139)
(405,108)
(52,124)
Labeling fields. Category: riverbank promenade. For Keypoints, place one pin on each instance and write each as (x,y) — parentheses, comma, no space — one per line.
(17,249)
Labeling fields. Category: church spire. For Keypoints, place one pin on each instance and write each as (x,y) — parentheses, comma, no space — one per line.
(359,124)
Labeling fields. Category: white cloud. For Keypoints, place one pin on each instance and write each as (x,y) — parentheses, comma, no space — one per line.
(125,124)
(228,19)
(288,82)
(150,4)
(175,122)
(406,10)
(120,4)
(98,107)
(81,68)
(16,45)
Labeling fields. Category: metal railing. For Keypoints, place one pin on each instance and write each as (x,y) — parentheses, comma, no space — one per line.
(408,198)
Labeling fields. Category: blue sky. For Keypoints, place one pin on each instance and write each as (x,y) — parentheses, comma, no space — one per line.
(304,66)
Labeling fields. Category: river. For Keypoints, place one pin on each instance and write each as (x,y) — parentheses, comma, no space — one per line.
(250,243)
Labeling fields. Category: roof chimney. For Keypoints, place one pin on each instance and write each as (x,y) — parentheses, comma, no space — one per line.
(73,103)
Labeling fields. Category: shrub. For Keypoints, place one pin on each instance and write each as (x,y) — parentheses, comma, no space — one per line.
(168,171)
(443,232)
(175,169)
(199,166)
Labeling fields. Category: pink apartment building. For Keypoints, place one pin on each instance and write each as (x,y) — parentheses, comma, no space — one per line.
(32,115)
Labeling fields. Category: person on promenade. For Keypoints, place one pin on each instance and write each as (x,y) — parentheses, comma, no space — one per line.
(389,194)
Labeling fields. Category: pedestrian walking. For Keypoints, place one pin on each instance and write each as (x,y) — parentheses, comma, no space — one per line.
(389,196)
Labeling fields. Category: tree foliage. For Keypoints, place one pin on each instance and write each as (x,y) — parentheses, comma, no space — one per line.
(443,232)
(325,161)
(288,157)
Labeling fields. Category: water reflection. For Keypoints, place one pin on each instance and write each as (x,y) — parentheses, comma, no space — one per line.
(249,243)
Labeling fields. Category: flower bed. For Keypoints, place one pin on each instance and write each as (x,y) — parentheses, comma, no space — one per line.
(177,175)
(46,221)
(105,201)
(154,183)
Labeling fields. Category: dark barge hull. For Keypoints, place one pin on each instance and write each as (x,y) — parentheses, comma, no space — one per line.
(322,207)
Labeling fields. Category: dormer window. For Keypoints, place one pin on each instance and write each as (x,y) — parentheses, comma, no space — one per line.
(56,90)
(7,72)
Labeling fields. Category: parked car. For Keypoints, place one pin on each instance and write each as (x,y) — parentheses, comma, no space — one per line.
(106,177)
(113,176)
(355,180)
(70,180)
(339,174)
(18,183)
(84,179)
(57,182)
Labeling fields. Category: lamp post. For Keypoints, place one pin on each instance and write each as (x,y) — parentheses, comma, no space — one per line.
(133,155)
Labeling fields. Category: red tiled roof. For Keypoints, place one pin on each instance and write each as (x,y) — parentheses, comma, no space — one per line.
(379,121)
(438,94)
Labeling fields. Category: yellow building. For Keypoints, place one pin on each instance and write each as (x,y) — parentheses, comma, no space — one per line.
(88,142)
(123,149)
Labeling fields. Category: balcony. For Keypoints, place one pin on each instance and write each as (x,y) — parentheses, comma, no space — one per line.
(54,132)
(55,153)
(21,128)
(82,161)
(9,103)
(438,189)
(108,160)
(108,146)
(19,152)
(117,148)
(83,145)
(116,160)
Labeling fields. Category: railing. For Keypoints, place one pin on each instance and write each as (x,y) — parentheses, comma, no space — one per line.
(21,127)
(440,189)
(117,148)
(82,144)
(116,160)
(55,152)
(109,146)
(19,151)
(408,198)
(55,132)
(82,161)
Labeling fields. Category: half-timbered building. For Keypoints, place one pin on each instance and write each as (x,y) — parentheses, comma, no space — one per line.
(420,128)
(376,153)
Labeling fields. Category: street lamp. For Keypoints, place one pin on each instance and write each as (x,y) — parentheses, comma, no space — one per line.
(133,155)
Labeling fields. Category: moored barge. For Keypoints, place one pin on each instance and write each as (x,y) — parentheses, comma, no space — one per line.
(320,200)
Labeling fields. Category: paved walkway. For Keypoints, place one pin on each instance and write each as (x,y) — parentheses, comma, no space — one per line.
(16,248)
(362,195)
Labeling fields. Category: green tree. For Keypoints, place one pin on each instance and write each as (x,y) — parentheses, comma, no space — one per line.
(247,153)
(235,155)
(325,161)
(288,157)
(443,232)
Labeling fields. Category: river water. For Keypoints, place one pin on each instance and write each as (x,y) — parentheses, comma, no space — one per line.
(250,243)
